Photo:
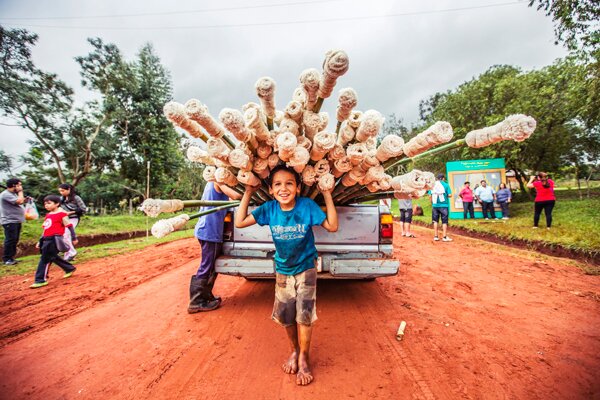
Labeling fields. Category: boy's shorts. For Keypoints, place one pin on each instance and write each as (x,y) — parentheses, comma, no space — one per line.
(406,215)
(295,298)
(437,212)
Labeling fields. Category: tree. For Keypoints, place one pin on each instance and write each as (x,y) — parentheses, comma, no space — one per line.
(6,163)
(577,21)
(33,99)
(555,95)
(133,95)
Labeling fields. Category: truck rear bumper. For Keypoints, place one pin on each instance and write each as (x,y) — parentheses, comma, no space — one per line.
(342,268)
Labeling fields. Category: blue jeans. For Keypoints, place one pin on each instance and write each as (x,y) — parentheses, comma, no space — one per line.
(12,232)
(437,212)
(504,208)
(468,208)
(210,252)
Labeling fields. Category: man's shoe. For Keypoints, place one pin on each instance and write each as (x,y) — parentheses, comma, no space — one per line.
(38,284)
(446,239)
(10,262)
(68,274)
(436,239)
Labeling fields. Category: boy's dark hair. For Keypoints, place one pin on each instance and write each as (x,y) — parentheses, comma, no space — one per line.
(12,182)
(283,167)
(53,198)
(467,182)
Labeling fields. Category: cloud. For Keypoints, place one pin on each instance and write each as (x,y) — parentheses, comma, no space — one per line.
(394,62)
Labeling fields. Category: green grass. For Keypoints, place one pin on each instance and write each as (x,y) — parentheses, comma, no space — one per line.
(28,264)
(573,226)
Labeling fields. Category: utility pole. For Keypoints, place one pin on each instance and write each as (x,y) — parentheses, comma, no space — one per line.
(147,195)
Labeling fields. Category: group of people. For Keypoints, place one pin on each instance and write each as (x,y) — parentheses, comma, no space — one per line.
(63,214)
(486,196)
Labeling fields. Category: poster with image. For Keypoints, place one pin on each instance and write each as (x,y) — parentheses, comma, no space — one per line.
(492,170)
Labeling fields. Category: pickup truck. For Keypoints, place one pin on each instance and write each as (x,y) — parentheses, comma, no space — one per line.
(360,249)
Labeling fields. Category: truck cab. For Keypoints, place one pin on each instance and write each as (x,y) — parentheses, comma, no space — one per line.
(360,249)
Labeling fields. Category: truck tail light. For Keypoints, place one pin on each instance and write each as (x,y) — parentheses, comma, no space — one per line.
(228,228)
(386,227)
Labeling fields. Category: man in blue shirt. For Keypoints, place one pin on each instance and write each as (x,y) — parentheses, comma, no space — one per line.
(291,219)
(486,196)
(440,204)
(209,232)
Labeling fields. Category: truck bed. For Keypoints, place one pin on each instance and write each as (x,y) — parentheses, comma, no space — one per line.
(354,251)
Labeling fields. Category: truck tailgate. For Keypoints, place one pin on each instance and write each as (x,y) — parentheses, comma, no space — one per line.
(357,226)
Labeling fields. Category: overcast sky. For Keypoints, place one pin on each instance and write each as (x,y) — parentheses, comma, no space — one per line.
(400,51)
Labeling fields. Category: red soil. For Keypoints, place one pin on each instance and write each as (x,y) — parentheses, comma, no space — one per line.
(484,322)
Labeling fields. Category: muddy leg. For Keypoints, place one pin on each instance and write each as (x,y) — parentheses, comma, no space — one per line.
(304,376)
(291,365)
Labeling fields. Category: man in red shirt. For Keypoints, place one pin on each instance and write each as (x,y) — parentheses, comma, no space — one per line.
(51,242)
(466,194)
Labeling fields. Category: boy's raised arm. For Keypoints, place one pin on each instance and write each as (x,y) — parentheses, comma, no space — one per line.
(242,219)
(331,222)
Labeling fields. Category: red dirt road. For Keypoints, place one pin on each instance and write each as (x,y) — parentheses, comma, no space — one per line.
(484,322)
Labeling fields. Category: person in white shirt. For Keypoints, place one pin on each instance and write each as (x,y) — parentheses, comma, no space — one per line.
(486,196)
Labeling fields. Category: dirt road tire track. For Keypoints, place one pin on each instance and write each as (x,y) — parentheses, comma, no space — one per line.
(484,322)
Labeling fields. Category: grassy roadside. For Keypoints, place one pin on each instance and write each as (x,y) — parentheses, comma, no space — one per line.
(28,264)
(573,227)
(92,225)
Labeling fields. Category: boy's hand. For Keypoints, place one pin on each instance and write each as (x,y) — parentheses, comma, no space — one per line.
(37,245)
(251,189)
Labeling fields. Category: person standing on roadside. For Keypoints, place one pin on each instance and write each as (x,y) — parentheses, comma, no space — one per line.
(74,206)
(406,212)
(440,203)
(486,196)
(466,194)
(12,215)
(544,197)
(503,197)
(209,232)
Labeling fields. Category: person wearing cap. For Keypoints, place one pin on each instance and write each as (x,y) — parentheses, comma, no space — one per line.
(12,216)
(440,203)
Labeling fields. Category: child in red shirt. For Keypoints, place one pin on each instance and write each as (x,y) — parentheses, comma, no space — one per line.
(51,241)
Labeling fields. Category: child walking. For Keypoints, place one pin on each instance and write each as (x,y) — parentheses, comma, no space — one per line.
(51,241)
(291,219)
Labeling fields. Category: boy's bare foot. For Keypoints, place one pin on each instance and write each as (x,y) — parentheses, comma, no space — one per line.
(291,365)
(304,376)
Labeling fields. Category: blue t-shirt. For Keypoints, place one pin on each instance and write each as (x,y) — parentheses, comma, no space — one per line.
(210,227)
(294,240)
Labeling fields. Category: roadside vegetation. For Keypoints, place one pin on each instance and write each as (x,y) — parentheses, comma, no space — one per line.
(28,264)
(573,227)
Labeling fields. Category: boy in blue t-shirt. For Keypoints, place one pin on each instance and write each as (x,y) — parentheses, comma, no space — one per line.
(291,220)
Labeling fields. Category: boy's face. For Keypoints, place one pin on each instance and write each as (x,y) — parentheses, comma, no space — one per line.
(50,205)
(285,189)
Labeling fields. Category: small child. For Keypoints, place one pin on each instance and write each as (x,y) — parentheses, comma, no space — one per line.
(291,220)
(54,228)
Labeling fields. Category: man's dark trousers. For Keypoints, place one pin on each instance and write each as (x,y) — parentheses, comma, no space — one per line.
(12,232)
